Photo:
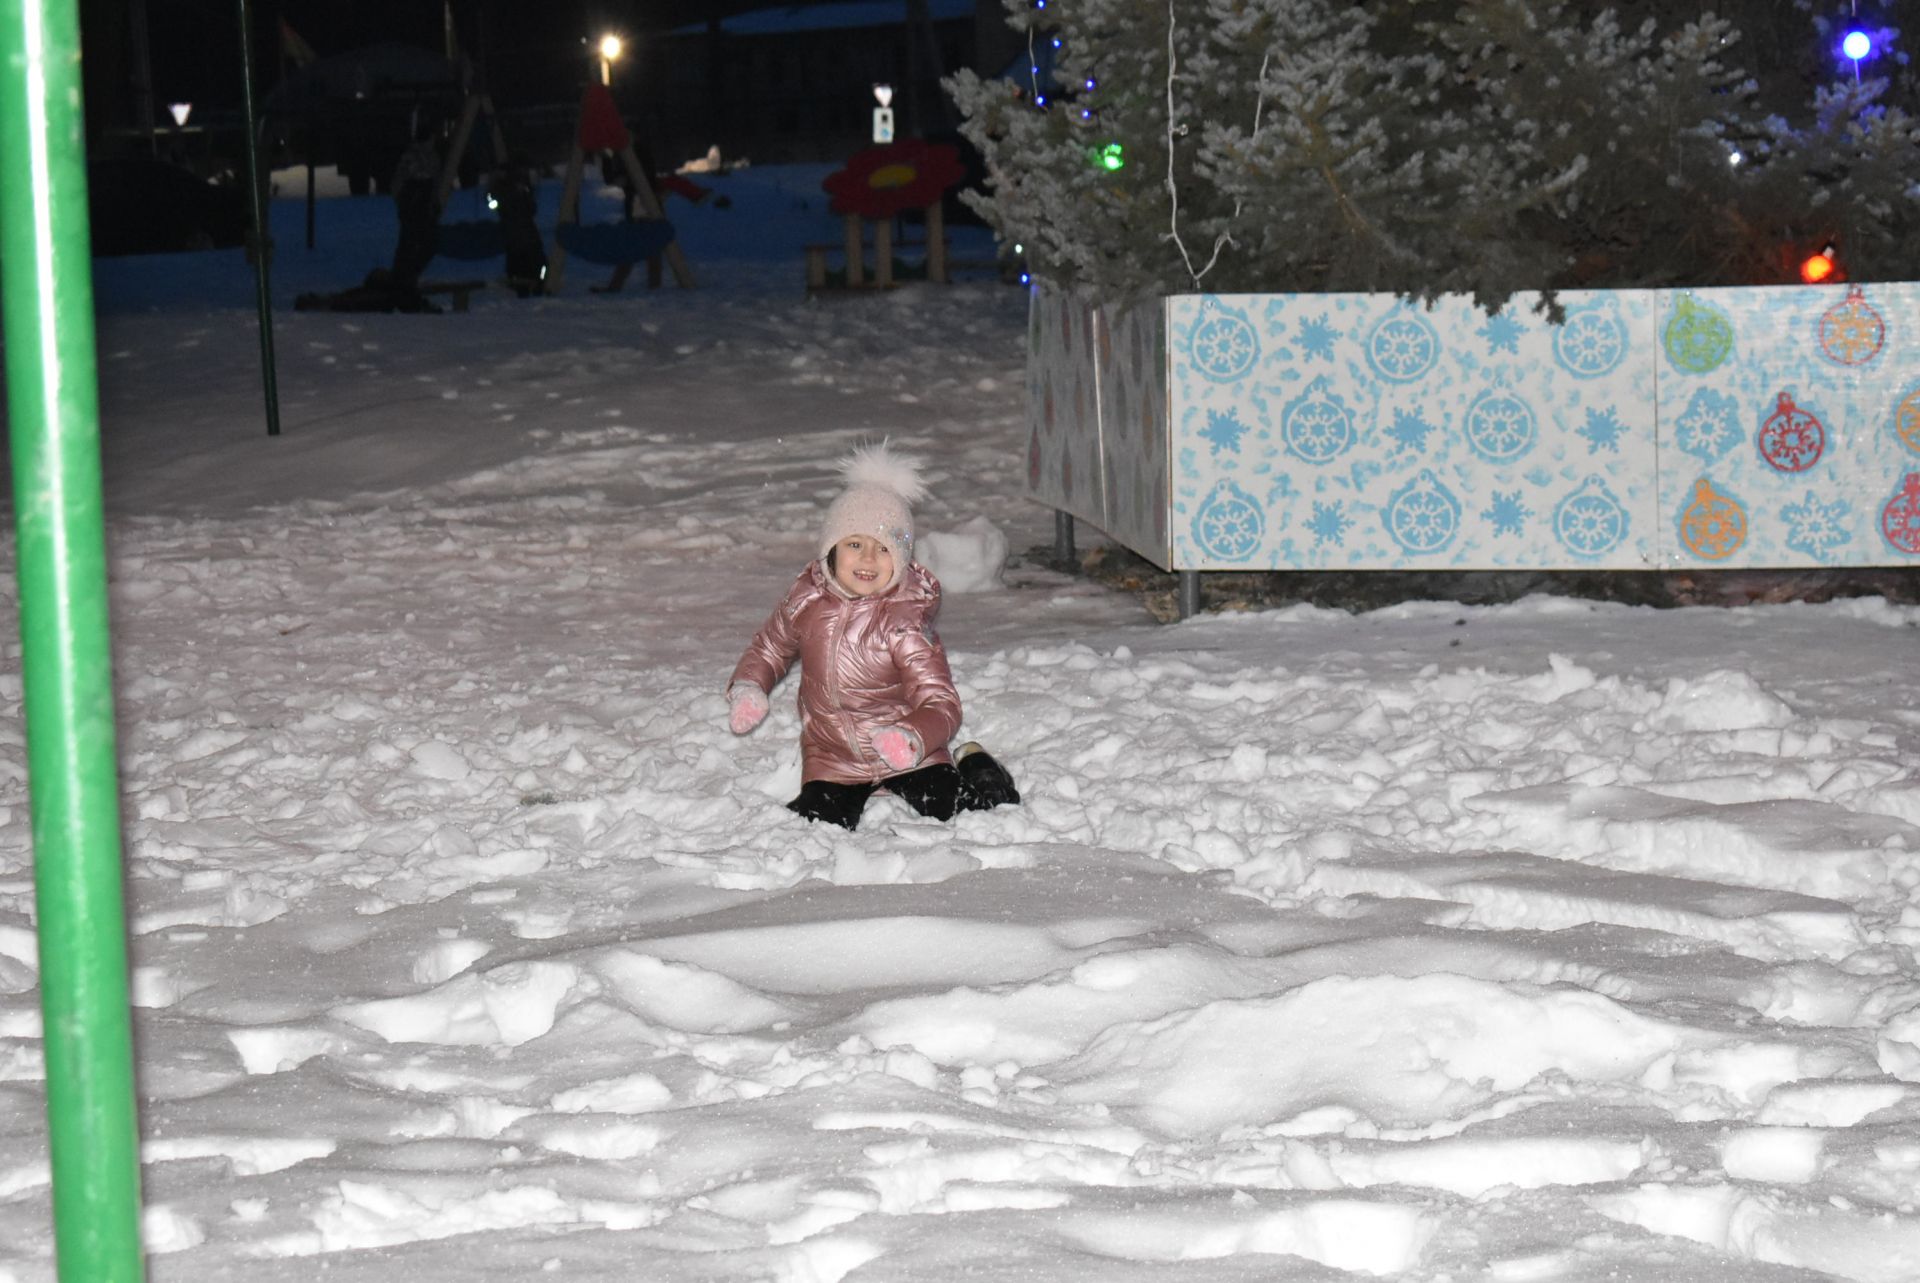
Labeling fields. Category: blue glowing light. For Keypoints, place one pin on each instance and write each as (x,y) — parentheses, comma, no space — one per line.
(1856,45)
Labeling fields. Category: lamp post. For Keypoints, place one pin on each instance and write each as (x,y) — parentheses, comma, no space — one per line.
(610,48)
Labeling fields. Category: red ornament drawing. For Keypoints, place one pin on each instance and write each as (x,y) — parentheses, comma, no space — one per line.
(1851,332)
(1900,519)
(1791,439)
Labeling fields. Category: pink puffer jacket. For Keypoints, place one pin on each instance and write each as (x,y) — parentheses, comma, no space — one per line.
(865,663)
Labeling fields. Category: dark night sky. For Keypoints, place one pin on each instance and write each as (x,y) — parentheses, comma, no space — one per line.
(532,48)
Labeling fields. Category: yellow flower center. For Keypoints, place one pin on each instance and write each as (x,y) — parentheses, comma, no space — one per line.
(891,176)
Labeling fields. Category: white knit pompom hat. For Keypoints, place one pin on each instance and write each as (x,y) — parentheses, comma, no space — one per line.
(880,486)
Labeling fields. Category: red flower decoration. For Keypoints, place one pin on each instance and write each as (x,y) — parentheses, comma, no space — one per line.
(882,180)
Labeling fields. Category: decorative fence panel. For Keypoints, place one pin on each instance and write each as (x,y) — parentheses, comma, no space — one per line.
(1775,427)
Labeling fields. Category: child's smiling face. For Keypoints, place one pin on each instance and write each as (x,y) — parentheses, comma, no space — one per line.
(862,564)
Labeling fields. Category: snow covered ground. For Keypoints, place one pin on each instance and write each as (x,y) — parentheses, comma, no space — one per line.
(1552,941)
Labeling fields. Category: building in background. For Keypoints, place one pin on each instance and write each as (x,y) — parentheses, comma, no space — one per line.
(795,82)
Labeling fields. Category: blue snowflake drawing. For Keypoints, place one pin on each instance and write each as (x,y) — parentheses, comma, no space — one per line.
(1709,426)
(1329,523)
(1817,528)
(1502,333)
(1409,430)
(1603,431)
(1316,425)
(1317,336)
(1507,513)
(1223,431)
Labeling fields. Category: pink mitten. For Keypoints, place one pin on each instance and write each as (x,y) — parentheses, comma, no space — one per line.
(749,708)
(899,746)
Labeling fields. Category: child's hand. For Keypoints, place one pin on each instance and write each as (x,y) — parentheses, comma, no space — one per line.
(899,746)
(749,707)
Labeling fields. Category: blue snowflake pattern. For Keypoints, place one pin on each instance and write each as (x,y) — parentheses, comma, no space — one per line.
(1507,513)
(1709,426)
(1502,333)
(1816,528)
(1223,431)
(1410,430)
(1603,431)
(1329,523)
(1317,336)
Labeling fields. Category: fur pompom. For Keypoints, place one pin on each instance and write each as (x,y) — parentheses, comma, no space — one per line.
(878,465)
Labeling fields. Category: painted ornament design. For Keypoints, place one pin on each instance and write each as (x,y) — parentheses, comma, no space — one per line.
(1698,337)
(1714,525)
(1403,347)
(1423,516)
(1501,427)
(1906,420)
(1900,519)
(1851,331)
(1230,525)
(1316,425)
(1223,343)
(1791,439)
(1591,343)
(1590,521)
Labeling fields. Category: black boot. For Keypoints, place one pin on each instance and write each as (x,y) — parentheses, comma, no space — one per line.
(984,778)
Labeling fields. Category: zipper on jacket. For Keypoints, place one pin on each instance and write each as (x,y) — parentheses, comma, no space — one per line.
(843,609)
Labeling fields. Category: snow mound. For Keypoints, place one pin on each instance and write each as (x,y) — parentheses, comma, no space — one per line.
(969,558)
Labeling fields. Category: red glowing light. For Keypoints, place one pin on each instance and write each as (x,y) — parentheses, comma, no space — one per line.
(1816,268)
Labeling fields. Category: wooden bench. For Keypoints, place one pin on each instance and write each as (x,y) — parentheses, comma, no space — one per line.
(459,291)
(853,248)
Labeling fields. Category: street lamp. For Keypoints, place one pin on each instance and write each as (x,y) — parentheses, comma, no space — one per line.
(610,47)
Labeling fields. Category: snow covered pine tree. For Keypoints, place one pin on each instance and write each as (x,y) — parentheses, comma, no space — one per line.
(1420,147)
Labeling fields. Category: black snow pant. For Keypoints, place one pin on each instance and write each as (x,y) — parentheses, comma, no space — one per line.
(940,791)
(419,232)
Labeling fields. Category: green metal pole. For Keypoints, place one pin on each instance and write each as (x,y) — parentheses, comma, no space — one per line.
(262,243)
(47,283)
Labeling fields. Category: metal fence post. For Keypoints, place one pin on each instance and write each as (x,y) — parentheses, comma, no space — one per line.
(47,287)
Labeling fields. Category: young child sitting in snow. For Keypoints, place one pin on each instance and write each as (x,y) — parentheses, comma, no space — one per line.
(877,703)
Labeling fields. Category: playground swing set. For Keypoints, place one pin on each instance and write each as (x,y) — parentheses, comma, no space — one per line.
(620,245)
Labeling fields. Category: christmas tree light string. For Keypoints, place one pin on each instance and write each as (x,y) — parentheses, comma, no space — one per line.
(1173,191)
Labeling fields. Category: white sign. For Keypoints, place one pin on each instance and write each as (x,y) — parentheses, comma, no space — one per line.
(883,124)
